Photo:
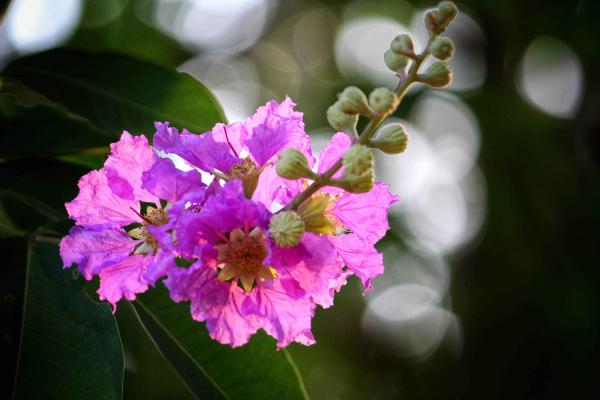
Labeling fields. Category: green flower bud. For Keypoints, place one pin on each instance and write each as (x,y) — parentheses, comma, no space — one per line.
(340,120)
(447,10)
(395,62)
(442,48)
(292,165)
(383,101)
(390,139)
(286,229)
(358,160)
(438,20)
(403,44)
(437,75)
(356,184)
(353,101)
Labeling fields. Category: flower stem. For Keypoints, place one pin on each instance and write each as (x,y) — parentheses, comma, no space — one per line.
(367,133)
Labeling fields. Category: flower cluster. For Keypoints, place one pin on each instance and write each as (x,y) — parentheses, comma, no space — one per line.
(255,232)
(227,245)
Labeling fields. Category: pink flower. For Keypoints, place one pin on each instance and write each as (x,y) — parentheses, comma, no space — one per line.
(241,281)
(113,233)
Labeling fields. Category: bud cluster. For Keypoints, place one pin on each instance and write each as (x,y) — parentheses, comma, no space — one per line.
(307,212)
(400,53)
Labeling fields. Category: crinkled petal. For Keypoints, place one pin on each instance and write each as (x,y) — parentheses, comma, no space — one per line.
(97,204)
(123,279)
(218,303)
(360,257)
(128,160)
(227,210)
(167,182)
(366,214)
(275,127)
(313,264)
(335,149)
(159,266)
(285,310)
(202,151)
(93,248)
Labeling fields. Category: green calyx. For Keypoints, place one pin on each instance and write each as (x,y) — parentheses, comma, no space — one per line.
(442,48)
(292,164)
(358,160)
(391,139)
(438,19)
(383,101)
(341,121)
(352,100)
(437,75)
(356,184)
(286,229)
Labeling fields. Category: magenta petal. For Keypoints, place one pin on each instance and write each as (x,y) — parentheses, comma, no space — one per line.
(286,312)
(159,266)
(366,214)
(218,303)
(129,158)
(274,127)
(312,264)
(123,280)
(360,257)
(207,152)
(96,204)
(92,249)
(167,182)
(227,210)
(335,149)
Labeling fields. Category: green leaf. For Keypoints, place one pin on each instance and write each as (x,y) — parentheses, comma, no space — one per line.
(48,130)
(117,92)
(70,346)
(212,370)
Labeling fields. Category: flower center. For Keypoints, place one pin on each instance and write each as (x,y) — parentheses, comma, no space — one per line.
(246,167)
(242,256)
(153,217)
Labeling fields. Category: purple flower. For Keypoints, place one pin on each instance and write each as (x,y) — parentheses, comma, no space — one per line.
(113,236)
(243,150)
(241,281)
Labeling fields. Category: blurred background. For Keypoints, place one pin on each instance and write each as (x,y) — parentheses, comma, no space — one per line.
(491,288)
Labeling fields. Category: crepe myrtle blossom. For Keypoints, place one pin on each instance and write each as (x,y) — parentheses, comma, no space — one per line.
(353,222)
(116,211)
(243,150)
(241,281)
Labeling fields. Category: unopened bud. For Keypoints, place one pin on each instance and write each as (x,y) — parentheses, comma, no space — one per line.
(356,184)
(403,44)
(292,165)
(286,229)
(358,160)
(353,101)
(437,75)
(383,101)
(442,48)
(438,20)
(340,120)
(395,62)
(390,139)
(447,10)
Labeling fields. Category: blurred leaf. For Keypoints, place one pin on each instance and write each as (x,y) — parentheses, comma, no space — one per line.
(70,345)
(45,129)
(212,370)
(117,92)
